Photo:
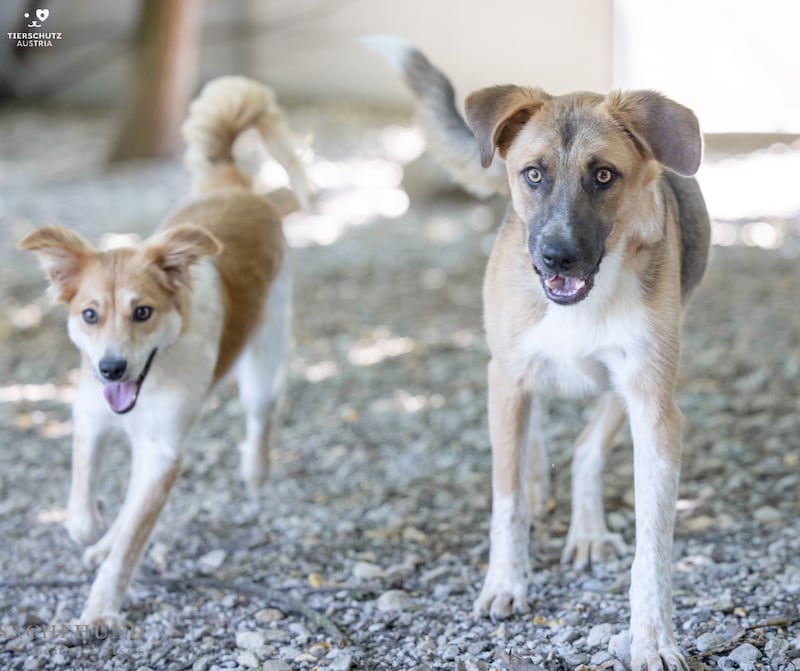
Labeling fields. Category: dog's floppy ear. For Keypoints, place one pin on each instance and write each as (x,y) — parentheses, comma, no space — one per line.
(497,113)
(175,250)
(667,131)
(61,254)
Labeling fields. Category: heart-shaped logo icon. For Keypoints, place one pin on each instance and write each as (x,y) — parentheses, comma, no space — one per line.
(42,14)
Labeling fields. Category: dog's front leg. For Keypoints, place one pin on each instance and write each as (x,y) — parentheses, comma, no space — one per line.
(84,521)
(656,427)
(505,589)
(154,470)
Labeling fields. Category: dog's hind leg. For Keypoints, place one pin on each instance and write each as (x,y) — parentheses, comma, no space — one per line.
(588,538)
(261,372)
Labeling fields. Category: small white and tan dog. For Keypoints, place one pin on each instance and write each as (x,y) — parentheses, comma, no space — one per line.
(158,324)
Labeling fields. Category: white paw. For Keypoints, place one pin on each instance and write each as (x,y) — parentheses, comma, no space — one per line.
(254,465)
(502,595)
(584,550)
(85,525)
(664,658)
(99,616)
(95,554)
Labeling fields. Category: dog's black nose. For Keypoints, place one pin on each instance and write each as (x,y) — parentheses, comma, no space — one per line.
(558,256)
(112,368)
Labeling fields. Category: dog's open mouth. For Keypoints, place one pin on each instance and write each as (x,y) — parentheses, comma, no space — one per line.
(566,290)
(121,396)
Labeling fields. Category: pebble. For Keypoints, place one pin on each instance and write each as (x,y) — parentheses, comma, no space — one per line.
(599,635)
(745,655)
(471,664)
(394,600)
(275,665)
(708,640)
(363,570)
(776,647)
(342,662)
(248,659)
(250,640)
(269,615)
(212,561)
(619,645)
(767,515)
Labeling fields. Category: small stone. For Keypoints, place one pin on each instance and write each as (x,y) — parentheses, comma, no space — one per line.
(249,640)
(471,664)
(203,663)
(269,615)
(600,659)
(708,640)
(450,652)
(212,561)
(619,645)
(319,650)
(767,515)
(599,635)
(305,657)
(394,600)
(700,523)
(16,644)
(501,632)
(342,662)
(364,570)
(275,665)
(33,664)
(248,659)
(776,647)
(746,655)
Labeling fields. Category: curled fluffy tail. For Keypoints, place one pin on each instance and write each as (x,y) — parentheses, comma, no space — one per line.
(449,138)
(225,108)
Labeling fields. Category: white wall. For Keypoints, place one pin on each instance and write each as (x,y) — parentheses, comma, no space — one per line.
(735,62)
(560,46)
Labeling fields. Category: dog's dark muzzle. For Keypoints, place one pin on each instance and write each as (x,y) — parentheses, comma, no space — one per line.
(567,274)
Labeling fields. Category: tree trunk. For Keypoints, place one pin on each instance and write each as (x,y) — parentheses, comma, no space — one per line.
(163,80)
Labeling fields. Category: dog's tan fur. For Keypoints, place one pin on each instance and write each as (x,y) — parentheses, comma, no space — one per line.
(602,246)
(159,323)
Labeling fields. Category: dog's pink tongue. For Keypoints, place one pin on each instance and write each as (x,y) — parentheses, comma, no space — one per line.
(120,395)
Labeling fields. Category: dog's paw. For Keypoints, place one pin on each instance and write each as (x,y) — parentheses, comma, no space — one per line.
(666,658)
(254,465)
(501,598)
(86,525)
(584,550)
(95,554)
(99,618)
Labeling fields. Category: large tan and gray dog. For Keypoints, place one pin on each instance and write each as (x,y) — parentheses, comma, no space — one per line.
(158,324)
(603,243)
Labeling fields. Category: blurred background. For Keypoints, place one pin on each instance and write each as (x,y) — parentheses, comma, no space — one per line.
(140,61)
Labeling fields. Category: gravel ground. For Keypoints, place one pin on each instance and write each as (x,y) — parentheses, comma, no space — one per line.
(370,542)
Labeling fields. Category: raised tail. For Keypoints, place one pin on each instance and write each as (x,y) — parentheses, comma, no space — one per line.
(449,138)
(225,108)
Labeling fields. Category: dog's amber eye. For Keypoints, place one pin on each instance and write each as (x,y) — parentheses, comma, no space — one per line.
(533,176)
(142,313)
(89,316)
(604,176)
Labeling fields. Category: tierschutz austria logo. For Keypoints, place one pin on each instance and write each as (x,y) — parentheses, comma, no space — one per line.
(37,37)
